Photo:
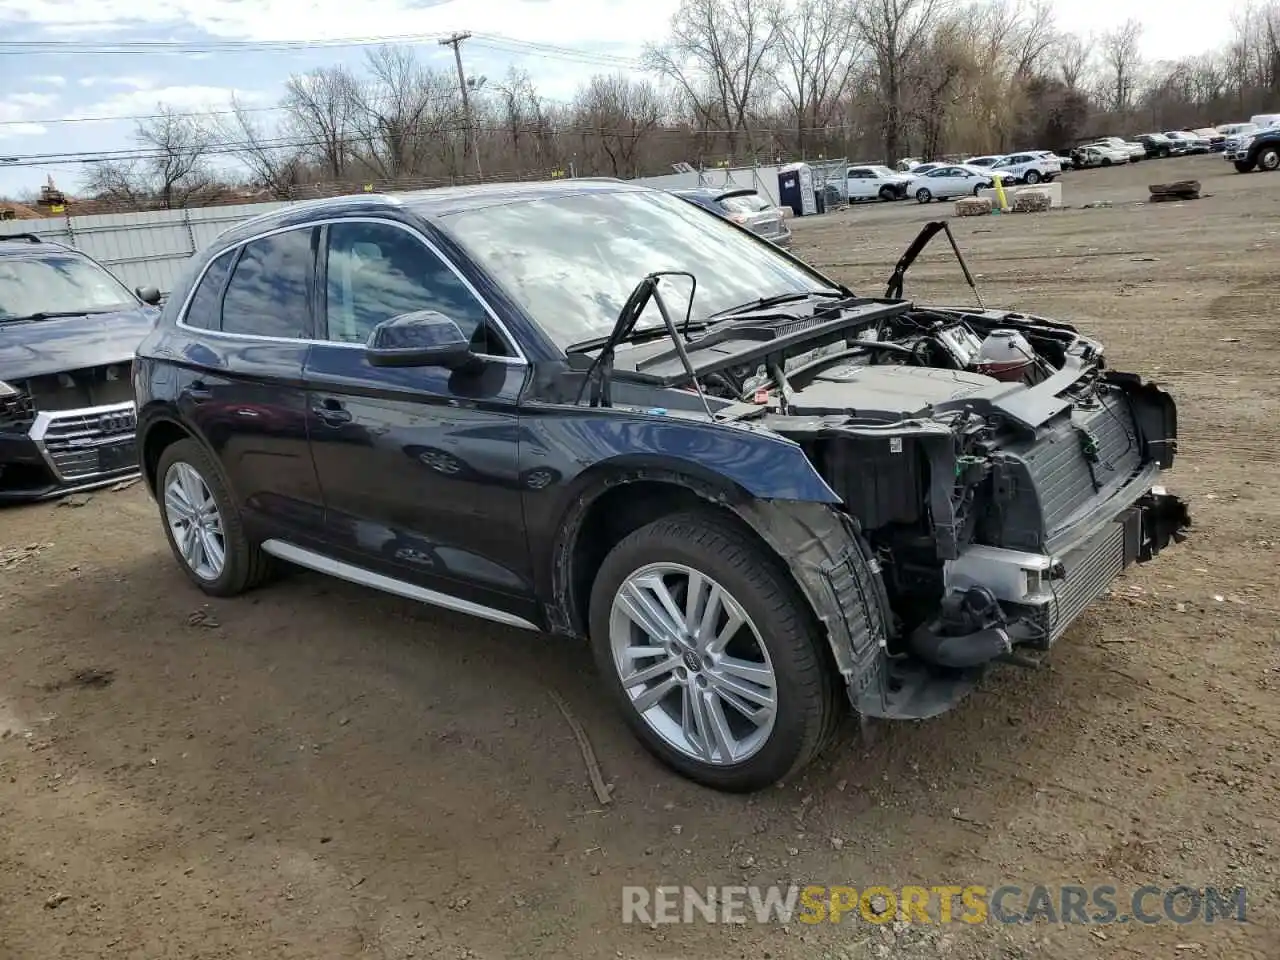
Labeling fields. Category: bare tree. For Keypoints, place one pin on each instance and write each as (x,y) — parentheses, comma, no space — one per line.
(171,168)
(276,163)
(524,118)
(1121,62)
(618,114)
(320,106)
(1032,37)
(719,57)
(817,49)
(405,111)
(896,31)
(1072,53)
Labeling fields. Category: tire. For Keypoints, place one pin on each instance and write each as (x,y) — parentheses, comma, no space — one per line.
(1032,178)
(1268,159)
(923,195)
(1243,166)
(1106,161)
(886,193)
(243,565)
(778,636)
(979,188)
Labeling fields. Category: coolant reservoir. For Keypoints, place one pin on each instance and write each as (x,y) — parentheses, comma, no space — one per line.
(1005,355)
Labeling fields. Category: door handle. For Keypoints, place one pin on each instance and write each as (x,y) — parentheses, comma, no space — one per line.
(330,411)
(198,392)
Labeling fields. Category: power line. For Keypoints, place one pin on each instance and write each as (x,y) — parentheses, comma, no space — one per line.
(241,147)
(65,47)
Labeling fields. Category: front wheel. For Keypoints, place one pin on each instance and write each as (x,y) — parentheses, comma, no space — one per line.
(1243,166)
(710,652)
(978,189)
(202,523)
(923,195)
(1269,159)
(1032,177)
(886,193)
(1106,161)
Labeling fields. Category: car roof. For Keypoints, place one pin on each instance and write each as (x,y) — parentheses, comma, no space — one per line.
(436,202)
(30,245)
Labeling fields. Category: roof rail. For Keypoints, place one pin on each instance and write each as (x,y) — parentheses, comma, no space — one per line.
(29,237)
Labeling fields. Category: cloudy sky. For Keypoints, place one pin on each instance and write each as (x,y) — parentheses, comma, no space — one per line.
(45,85)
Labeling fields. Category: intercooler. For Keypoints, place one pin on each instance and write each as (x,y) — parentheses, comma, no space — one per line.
(1087,573)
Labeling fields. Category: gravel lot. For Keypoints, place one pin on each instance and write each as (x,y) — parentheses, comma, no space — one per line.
(319,771)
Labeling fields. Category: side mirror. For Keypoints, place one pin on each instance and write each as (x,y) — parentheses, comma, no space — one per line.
(148,295)
(421,339)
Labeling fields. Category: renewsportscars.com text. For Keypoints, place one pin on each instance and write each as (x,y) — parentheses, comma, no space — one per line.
(813,904)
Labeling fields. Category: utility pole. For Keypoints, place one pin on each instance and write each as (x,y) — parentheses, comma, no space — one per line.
(469,140)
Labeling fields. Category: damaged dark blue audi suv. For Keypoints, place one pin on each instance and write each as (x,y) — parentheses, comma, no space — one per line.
(592,409)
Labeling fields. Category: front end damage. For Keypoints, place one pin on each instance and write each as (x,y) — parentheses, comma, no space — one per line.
(981,516)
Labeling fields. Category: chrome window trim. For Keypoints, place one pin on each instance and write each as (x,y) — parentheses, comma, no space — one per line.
(519,360)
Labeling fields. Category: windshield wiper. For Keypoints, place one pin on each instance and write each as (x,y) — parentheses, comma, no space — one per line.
(779,299)
(49,315)
(653,331)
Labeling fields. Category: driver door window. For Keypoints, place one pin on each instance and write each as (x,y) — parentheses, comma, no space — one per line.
(375,271)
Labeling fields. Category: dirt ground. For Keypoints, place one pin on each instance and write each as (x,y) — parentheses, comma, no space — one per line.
(316,770)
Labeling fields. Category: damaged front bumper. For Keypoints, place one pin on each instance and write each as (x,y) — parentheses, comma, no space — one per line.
(1037,596)
(1034,598)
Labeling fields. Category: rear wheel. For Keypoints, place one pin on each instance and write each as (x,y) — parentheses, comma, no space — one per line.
(1269,159)
(711,653)
(923,195)
(202,523)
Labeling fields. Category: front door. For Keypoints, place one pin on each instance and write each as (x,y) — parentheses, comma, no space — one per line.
(419,467)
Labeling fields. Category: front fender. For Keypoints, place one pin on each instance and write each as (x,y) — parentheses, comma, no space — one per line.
(584,449)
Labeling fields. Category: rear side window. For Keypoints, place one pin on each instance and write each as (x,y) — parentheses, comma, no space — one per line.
(269,292)
(202,312)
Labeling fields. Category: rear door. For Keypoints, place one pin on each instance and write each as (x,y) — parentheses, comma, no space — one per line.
(862,184)
(240,380)
(419,467)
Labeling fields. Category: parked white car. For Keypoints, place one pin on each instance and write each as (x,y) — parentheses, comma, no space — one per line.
(1027,168)
(1136,151)
(984,161)
(876,183)
(1187,141)
(957,180)
(1099,155)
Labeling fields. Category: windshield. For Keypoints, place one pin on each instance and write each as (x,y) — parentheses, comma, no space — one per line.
(58,284)
(572,261)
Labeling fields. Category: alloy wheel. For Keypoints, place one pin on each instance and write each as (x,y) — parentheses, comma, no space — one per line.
(693,664)
(194,521)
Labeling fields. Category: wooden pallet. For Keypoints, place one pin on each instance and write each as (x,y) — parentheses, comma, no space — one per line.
(973,207)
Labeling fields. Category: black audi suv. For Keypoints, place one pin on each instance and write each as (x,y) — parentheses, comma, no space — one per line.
(68,332)
(590,408)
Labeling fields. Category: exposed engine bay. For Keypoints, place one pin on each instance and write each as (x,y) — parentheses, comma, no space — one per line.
(1000,475)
